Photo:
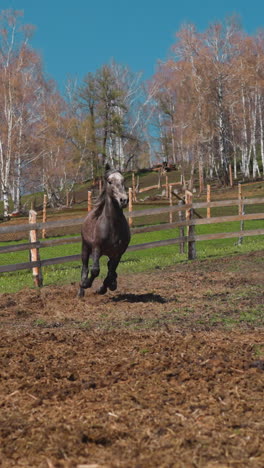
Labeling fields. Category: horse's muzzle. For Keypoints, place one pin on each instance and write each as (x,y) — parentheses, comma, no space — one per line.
(123,202)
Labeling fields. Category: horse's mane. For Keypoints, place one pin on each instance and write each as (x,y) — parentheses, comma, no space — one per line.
(99,204)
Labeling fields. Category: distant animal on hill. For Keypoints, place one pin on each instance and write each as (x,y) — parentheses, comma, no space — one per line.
(105,231)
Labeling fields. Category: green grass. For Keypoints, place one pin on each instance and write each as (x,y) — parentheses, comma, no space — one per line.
(258,351)
(132,262)
(40,323)
(251,316)
(144,260)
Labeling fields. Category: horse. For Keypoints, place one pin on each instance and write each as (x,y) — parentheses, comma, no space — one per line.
(105,231)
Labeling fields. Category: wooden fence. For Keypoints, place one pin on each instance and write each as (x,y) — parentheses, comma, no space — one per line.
(190,222)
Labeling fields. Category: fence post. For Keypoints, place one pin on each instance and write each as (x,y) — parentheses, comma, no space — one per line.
(130,205)
(230,175)
(239,199)
(100,186)
(167,186)
(90,203)
(181,229)
(191,228)
(240,212)
(159,179)
(191,244)
(34,252)
(170,201)
(44,216)
(67,199)
(208,199)
(240,239)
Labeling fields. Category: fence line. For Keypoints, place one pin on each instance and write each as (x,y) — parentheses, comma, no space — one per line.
(132,214)
(157,186)
(136,230)
(132,248)
(191,238)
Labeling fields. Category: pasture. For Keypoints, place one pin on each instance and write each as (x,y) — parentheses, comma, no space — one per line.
(167,371)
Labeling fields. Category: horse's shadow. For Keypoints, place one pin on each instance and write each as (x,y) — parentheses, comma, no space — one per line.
(134,298)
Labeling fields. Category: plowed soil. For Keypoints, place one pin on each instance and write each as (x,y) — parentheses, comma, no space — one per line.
(167,371)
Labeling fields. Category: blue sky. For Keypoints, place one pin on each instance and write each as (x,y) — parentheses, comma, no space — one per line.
(75,37)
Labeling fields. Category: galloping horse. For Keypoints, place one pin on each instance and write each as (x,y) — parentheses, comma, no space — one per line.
(105,231)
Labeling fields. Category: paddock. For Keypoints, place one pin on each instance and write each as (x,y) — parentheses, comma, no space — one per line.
(163,372)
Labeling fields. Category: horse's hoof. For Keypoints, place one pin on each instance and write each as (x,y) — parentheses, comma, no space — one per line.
(81,292)
(113,286)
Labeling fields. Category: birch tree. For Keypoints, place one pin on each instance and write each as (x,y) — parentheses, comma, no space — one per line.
(210,100)
(20,95)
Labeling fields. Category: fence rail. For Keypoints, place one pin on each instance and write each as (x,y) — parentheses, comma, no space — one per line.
(190,239)
(138,230)
(132,214)
(131,248)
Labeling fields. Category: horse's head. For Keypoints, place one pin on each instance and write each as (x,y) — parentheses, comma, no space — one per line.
(115,187)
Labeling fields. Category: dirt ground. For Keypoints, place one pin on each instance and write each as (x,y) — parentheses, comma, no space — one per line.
(167,371)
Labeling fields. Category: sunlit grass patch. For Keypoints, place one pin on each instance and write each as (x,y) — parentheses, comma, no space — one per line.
(258,350)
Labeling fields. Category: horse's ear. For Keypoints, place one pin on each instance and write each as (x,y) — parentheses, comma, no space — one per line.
(107,167)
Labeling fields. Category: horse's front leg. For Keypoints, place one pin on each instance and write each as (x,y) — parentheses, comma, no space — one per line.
(95,270)
(85,270)
(111,279)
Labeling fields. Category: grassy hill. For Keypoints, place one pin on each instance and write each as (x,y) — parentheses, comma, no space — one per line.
(145,178)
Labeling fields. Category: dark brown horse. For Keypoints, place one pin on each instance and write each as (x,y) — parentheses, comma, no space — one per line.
(105,232)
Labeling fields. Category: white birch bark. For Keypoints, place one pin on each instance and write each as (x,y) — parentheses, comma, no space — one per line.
(245,156)
(255,168)
(261,132)
(4,171)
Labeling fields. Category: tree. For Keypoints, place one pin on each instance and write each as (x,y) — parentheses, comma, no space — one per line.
(110,102)
(20,97)
(209,100)
(61,141)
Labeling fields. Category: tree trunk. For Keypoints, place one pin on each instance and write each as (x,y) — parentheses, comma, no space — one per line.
(17,185)
(244,147)
(5,202)
(255,168)
(261,134)
(222,136)
(4,177)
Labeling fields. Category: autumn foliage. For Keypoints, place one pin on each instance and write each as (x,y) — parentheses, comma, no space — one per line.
(203,110)
(209,100)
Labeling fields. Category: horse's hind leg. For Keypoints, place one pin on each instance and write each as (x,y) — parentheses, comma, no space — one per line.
(85,270)
(110,281)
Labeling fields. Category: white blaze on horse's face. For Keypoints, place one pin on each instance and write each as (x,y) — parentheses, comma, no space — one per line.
(115,182)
